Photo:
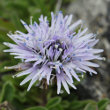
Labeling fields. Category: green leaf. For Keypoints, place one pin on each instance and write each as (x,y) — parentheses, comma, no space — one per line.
(59,107)
(21,96)
(5,27)
(79,105)
(65,104)
(91,106)
(37,108)
(103,104)
(53,102)
(7,92)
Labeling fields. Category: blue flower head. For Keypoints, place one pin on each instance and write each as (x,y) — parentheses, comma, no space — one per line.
(54,51)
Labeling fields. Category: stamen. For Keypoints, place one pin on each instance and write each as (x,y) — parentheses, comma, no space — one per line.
(56,46)
(74,55)
(58,53)
(61,66)
(68,59)
(60,49)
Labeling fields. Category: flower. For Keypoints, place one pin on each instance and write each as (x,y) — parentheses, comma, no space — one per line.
(54,51)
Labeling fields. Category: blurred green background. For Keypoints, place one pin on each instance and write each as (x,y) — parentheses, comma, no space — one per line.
(12,95)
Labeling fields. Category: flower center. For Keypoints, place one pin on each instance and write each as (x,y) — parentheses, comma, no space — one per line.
(55,51)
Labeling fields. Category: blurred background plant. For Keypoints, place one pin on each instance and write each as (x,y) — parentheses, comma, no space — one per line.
(15,97)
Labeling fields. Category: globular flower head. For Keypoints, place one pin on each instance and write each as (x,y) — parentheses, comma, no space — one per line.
(54,51)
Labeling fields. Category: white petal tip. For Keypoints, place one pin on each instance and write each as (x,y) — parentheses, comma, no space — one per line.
(77,78)
(80,21)
(95,72)
(13,76)
(103,58)
(8,34)
(4,50)
(102,50)
(58,93)
(68,92)
(5,67)
(5,43)
(28,88)
(47,83)
(18,75)
(75,88)
(8,67)
(21,20)
(21,83)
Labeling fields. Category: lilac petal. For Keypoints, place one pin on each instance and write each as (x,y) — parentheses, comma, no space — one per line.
(10,45)
(69,82)
(42,75)
(38,73)
(48,75)
(72,72)
(69,20)
(93,43)
(73,26)
(31,59)
(67,72)
(75,75)
(25,72)
(37,62)
(27,78)
(95,51)
(83,32)
(26,26)
(58,69)
(58,84)
(86,37)
(65,86)
(31,83)
(87,68)
(87,63)
(57,54)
